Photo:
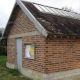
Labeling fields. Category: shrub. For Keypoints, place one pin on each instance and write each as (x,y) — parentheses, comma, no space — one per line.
(3,50)
(3,47)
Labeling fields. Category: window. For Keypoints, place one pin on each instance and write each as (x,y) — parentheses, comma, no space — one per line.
(29,50)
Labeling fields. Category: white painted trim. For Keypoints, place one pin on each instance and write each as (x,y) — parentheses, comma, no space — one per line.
(32,18)
(24,34)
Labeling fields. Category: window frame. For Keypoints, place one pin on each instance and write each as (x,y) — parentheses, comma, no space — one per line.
(29,43)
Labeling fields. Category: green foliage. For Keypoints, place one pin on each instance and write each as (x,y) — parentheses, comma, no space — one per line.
(2,61)
(9,74)
(3,50)
(14,72)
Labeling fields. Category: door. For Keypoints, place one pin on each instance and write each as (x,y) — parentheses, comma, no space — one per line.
(19,52)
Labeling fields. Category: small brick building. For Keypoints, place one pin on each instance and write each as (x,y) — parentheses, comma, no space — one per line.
(43,42)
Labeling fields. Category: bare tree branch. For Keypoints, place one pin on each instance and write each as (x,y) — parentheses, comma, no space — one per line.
(68,9)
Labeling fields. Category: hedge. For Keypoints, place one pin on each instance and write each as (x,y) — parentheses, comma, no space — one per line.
(3,50)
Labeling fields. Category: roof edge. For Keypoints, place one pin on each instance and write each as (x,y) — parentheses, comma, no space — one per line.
(32,18)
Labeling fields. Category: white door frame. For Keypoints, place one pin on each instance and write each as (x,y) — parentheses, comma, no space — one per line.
(19,53)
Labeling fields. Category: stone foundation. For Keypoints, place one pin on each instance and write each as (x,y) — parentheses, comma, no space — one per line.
(9,65)
(66,75)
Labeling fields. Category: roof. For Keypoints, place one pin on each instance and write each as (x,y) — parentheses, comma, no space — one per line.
(56,11)
(49,20)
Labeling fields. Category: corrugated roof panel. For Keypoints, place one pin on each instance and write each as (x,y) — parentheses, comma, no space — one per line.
(44,8)
(60,12)
(37,6)
(71,14)
(49,9)
(76,15)
(65,14)
(56,11)
(53,10)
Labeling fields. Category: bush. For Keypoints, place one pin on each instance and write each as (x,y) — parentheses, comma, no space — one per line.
(3,50)
(3,47)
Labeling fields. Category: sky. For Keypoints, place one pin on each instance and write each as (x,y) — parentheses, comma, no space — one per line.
(7,5)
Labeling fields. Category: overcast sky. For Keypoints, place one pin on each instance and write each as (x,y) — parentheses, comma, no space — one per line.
(7,5)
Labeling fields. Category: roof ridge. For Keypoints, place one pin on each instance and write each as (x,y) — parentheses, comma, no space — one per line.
(55,8)
(50,7)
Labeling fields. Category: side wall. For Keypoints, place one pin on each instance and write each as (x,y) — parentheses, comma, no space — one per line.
(38,63)
(24,28)
(62,54)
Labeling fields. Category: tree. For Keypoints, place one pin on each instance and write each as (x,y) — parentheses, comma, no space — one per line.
(68,9)
(3,42)
(1,31)
(0,34)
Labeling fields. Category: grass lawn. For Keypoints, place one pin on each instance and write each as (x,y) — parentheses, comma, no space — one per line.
(9,74)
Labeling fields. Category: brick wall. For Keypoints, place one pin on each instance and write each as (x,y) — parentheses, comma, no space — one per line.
(38,63)
(51,54)
(22,24)
(11,50)
(62,54)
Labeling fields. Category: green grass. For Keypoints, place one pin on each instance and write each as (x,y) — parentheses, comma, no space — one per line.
(14,72)
(9,74)
(2,61)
